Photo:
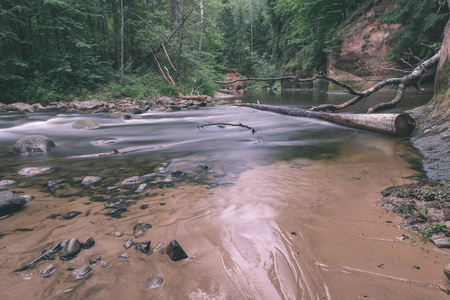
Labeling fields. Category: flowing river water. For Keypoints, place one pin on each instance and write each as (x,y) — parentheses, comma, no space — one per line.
(285,212)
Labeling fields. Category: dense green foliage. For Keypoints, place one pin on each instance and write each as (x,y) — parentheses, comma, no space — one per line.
(423,23)
(50,49)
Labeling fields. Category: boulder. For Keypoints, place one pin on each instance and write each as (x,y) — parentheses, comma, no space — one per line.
(86,105)
(33,144)
(440,241)
(10,202)
(164,100)
(85,124)
(20,106)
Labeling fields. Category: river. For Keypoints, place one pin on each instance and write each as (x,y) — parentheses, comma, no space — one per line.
(285,211)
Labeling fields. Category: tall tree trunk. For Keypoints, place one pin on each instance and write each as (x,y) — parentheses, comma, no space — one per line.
(251,28)
(121,40)
(200,40)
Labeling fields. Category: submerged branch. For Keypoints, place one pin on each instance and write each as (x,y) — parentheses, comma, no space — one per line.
(228,124)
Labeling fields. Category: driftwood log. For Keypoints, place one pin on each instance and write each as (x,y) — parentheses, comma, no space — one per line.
(401,125)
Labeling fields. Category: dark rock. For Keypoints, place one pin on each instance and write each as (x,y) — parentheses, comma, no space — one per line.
(48,270)
(71,215)
(85,124)
(175,252)
(143,248)
(10,202)
(33,144)
(140,229)
(87,243)
(155,282)
(82,272)
(99,199)
(143,206)
(70,249)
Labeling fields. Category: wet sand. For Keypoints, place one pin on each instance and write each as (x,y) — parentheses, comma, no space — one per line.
(302,229)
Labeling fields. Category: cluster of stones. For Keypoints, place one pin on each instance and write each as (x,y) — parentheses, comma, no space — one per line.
(122,108)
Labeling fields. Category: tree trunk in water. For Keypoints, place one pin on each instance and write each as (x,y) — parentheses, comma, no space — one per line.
(400,125)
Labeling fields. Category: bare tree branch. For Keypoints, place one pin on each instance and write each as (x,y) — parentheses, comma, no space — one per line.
(411,79)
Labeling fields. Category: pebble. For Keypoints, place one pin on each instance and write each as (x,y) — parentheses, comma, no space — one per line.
(124,256)
(155,282)
(82,272)
(6,182)
(71,215)
(128,244)
(48,270)
(117,233)
(55,182)
(33,171)
(141,188)
(90,180)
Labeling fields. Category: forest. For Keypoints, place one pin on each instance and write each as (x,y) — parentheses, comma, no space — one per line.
(65,49)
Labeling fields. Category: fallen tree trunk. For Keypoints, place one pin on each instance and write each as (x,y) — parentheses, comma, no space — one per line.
(401,125)
(411,79)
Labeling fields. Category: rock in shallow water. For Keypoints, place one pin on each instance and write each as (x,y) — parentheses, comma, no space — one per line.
(87,243)
(33,171)
(70,249)
(71,215)
(85,124)
(82,272)
(10,202)
(90,180)
(143,248)
(175,252)
(140,229)
(48,270)
(155,282)
(33,144)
